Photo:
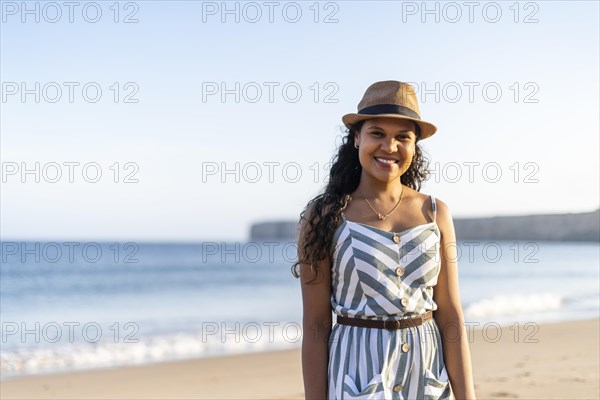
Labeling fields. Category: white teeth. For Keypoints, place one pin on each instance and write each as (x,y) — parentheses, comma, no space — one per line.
(385,161)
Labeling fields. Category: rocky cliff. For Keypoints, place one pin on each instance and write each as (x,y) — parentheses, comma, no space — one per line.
(579,227)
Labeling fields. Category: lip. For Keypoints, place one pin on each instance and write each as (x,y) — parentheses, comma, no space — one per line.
(384,165)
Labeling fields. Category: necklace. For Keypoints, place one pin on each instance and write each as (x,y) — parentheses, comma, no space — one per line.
(382,217)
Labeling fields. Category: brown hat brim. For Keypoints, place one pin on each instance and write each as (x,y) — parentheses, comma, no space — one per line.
(427,128)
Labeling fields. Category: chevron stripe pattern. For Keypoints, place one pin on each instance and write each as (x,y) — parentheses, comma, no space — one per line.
(378,274)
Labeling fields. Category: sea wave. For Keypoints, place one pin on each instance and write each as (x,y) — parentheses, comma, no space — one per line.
(503,305)
(214,340)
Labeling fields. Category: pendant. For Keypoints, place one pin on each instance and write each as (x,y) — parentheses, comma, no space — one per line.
(381,217)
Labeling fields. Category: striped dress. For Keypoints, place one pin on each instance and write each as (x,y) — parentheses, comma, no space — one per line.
(376,273)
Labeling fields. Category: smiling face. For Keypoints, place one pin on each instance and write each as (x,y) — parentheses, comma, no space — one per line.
(386,147)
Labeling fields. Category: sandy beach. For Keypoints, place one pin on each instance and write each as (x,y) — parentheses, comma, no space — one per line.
(549,361)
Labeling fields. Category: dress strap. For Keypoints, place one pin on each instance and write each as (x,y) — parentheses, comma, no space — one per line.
(433,207)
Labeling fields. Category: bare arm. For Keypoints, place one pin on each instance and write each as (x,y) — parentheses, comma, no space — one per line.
(316,322)
(316,325)
(449,314)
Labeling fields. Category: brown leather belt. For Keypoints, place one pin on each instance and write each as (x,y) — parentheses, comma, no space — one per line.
(389,324)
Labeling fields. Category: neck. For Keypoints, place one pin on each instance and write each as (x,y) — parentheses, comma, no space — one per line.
(384,192)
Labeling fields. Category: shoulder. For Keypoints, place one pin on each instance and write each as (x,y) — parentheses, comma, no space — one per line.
(441,207)
(311,211)
(417,198)
(311,216)
(428,201)
(305,216)
(444,218)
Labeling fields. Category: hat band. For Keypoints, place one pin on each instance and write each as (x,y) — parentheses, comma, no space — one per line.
(389,109)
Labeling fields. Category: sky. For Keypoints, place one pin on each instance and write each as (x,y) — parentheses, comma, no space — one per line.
(189,120)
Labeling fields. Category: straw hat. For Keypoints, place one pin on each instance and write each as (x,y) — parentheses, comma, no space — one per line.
(390,99)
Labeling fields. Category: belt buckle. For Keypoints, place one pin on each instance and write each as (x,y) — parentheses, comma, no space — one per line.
(395,321)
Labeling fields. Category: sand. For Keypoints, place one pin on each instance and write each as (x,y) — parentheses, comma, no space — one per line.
(549,361)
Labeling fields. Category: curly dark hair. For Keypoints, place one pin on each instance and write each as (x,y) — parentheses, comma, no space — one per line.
(328,206)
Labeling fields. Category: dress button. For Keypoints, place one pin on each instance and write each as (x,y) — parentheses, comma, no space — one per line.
(398,388)
(404,301)
(396,238)
(405,347)
(399,271)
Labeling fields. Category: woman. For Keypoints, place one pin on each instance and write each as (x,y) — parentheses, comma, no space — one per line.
(380,254)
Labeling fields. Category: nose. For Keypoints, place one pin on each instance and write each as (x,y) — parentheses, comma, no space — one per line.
(389,145)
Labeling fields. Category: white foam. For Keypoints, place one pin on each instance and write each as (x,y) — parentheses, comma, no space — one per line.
(504,305)
(247,338)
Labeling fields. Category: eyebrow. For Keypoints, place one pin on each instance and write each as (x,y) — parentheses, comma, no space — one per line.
(401,131)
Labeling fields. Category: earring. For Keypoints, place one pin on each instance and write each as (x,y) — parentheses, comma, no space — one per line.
(355,146)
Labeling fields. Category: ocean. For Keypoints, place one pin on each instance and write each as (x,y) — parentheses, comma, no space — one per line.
(68,306)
